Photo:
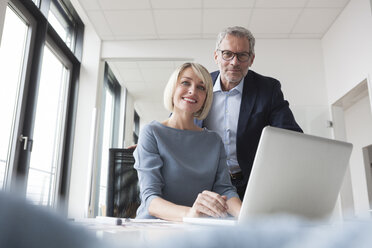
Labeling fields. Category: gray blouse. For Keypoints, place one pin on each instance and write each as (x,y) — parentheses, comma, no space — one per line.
(177,165)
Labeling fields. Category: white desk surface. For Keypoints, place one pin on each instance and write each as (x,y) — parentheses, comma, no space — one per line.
(278,232)
(133,232)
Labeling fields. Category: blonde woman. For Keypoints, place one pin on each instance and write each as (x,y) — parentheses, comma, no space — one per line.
(181,167)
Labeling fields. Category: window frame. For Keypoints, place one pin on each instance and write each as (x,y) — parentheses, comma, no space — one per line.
(136,127)
(114,87)
(11,170)
(40,34)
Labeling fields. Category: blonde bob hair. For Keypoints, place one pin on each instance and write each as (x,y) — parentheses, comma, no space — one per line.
(203,75)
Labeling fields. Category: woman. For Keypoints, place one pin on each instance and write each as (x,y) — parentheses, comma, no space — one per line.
(181,167)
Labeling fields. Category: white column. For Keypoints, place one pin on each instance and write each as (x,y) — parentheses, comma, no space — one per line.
(3,5)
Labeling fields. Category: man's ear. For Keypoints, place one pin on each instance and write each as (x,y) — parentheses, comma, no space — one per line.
(251,60)
(215,56)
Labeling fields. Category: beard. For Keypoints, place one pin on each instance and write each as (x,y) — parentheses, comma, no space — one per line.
(234,77)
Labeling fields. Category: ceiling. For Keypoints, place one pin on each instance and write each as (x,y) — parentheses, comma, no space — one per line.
(145,81)
(197,19)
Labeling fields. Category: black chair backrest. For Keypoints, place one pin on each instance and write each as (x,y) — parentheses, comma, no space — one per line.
(122,186)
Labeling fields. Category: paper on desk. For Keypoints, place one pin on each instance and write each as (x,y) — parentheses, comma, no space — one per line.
(109,220)
(144,220)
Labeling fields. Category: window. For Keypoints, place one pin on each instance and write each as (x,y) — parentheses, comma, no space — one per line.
(136,127)
(36,2)
(108,134)
(41,69)
(12,50)
(62,22)
(48,129)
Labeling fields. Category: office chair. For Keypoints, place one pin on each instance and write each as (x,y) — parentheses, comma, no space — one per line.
(122,188)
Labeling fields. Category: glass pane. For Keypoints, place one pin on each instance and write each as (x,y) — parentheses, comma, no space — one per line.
(48,130)
(106,144)
(60,24)
(36,2)
(12,51)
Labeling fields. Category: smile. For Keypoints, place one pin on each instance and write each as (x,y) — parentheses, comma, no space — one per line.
(189,99)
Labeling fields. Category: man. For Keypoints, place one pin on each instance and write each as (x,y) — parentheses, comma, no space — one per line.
(244,102)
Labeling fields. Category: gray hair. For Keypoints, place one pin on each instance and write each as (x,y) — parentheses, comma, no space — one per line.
(237,31)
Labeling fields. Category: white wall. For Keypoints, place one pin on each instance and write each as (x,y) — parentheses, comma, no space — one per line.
(298,64)
(91,77)
(129,118)
(347,50)
(200,51)
(123,104)
(358,125)
(3,4)
(87,127)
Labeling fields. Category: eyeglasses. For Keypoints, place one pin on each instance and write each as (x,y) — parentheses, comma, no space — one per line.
(228,55)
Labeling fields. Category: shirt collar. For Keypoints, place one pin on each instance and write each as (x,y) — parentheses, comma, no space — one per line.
(217,85)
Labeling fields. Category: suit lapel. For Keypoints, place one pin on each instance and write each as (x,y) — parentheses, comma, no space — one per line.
(214,76)
(248,99)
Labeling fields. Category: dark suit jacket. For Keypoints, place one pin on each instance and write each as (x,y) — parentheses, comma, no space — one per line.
(262,105)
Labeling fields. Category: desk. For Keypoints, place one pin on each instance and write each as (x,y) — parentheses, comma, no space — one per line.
(136,233)
(278,232)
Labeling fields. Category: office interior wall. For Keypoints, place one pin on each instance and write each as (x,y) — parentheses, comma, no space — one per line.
(90,83)
(367,159)
(123,104)
(3,4)
(346,200)
(298,65)
(129,121)
(347,50)
(358,125)
(200,51)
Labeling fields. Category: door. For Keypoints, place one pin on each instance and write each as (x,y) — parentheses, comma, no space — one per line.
(13,54)
(45,138)
(38,89)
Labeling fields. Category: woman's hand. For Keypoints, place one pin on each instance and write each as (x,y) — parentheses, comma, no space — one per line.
(209,204)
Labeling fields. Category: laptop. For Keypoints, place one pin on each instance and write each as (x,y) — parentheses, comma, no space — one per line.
(293,174)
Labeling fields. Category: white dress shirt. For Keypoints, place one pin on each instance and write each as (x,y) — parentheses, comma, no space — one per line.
(223,119)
